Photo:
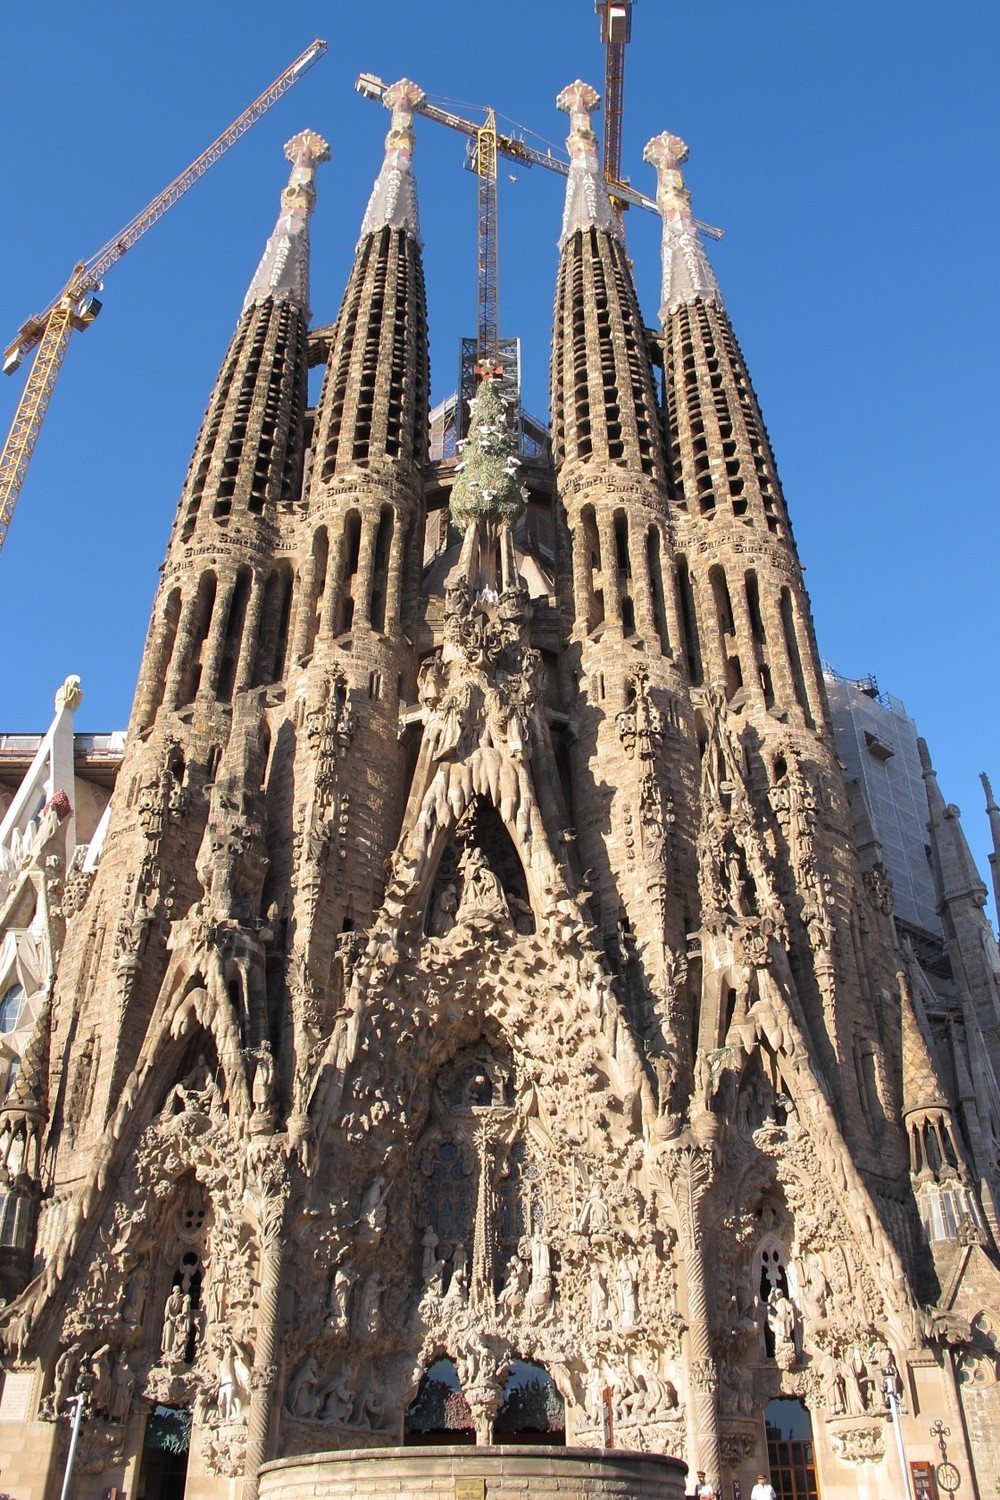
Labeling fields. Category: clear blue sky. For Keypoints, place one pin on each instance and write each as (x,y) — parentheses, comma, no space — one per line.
(848,149)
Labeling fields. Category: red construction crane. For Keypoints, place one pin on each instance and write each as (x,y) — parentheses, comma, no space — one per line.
(76,306)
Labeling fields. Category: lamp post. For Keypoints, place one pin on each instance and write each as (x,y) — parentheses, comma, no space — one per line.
(79,1404)
(890,1390)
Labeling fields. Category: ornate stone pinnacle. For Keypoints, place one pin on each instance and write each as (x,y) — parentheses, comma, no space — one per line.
(687,275)
(587,201)
(305,151)
(579,101)
(393,202)
(402,97)
(666,152)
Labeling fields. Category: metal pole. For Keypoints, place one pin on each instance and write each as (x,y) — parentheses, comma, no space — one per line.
(890,1388)
(81,1403)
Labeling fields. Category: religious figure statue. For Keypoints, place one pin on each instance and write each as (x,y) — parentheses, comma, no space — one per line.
(781,1317)
(626,1291)
(339,1300)
(303,1399)
(593,1217)
(832,1385)
(176,1327)
(482,893)
(136,1291)
(122,1386)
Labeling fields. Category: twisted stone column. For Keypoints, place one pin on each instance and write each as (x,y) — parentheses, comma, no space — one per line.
(271,1197)
(690,1177)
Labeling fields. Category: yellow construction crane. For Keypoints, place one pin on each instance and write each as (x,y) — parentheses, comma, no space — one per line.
(76,306)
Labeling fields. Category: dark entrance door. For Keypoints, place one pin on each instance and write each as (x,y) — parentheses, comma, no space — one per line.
(790,1451)
(163,1470)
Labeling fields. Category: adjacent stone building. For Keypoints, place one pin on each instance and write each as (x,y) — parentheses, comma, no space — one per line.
(480,1030)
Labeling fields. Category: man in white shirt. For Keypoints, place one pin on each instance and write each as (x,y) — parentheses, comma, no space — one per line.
(704,1489)
(762,1490)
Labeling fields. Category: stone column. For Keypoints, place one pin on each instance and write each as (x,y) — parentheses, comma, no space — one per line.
(363,577)
(183,646)
(271,1196)
(216,640)
(690,1177)
(251,633)
(609,569)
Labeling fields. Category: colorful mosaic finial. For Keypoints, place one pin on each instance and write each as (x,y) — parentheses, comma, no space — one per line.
(687,274)
(283,273)
(393,202)
(587,203)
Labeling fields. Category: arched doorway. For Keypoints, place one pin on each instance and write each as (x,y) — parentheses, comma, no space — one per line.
(790,1450)
(533,1410)
(439,1413)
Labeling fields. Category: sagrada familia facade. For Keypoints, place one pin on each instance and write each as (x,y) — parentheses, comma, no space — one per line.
(476,1052)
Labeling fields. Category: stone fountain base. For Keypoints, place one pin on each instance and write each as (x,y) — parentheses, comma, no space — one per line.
(468,1473)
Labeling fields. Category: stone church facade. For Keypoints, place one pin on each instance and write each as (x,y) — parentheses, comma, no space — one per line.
(484,1024)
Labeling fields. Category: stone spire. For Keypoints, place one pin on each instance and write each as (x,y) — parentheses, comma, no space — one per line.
(373,406)
(283,273)
(587,203)
(993,813)
(393,202)
(958,877)
(687,275)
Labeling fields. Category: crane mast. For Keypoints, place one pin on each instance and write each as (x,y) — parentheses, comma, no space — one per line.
(75,307)
(616,32)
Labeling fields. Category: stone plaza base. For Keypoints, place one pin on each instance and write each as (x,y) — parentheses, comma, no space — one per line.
(467,1473)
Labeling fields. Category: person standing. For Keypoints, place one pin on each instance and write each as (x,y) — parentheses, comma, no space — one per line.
(704,1489)
(763,1489)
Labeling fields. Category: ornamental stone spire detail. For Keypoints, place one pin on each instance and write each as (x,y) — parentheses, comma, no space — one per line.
(587,203)
(393,203)
(687,275)
(283,273)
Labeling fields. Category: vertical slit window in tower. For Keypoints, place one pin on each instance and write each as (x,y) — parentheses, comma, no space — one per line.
(205,603)
(370,354)
(628,616)
(689,620)
(581,386)
(380,569)
(753,606)
(397,372)
(340,367)
(314,605)
(234,635)
(759,638)
(621,544)
(592,548)
(351,552)
(271,415)
(794,656)
(727,630)
(295,363)
(654,566)
(274,627)
(159,665)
